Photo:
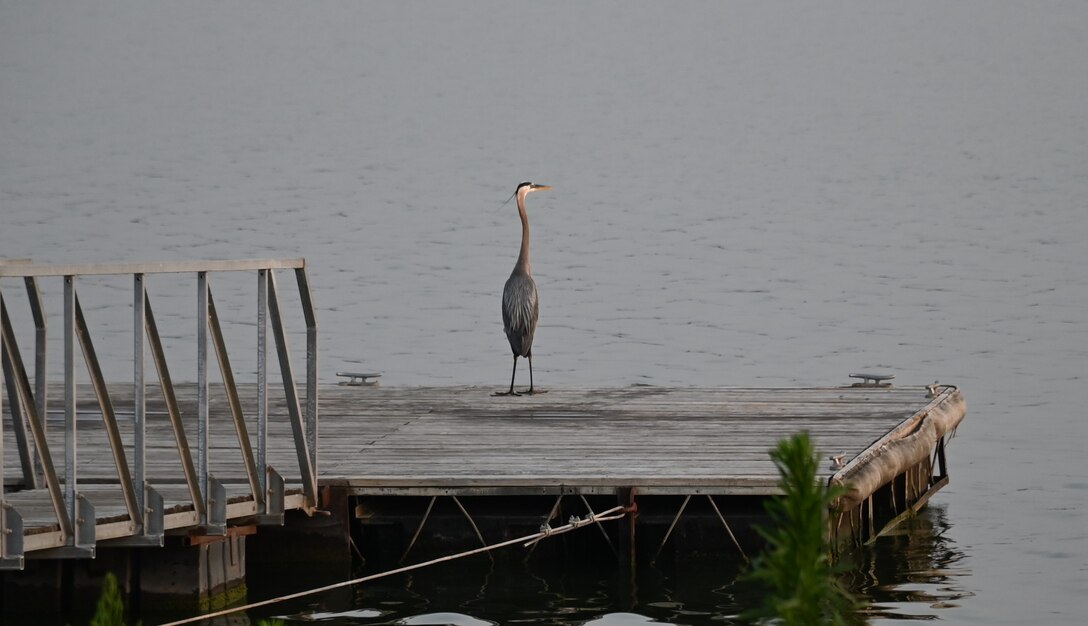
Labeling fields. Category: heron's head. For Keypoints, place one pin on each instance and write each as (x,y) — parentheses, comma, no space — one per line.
(524,189)
(527,187)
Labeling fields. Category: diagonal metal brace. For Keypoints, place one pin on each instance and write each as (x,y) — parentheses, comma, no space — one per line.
(729,530)
(668,533)
(427,515)
(546,524)
(419,529)
(472,523)
(721,518)
(597,523)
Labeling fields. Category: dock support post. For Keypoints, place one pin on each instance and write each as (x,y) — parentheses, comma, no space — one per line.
(189,576)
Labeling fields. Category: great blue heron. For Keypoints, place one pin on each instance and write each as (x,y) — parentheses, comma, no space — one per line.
(520,302)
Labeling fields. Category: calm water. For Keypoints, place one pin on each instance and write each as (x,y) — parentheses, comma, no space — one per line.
(745,194)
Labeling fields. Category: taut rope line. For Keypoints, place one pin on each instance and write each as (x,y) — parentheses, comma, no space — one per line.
(573,523)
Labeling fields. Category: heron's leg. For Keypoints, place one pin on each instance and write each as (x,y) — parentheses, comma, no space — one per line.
(514,373)
(512,376)
(530,357)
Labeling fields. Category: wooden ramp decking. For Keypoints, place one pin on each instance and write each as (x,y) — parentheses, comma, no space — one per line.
(465,441)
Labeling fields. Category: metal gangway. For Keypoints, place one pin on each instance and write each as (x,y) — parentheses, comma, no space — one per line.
(49,510)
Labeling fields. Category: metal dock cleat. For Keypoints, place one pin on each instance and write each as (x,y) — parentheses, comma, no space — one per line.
(869,379)
(359,379)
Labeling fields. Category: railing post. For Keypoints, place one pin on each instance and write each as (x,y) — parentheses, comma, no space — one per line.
(139,409)
(202,389)
(262,383)
(70,405)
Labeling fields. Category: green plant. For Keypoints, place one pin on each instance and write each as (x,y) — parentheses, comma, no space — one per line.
(111,608)
(795,567)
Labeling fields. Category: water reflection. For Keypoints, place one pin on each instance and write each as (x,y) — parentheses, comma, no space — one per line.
(914,573)
(475,592)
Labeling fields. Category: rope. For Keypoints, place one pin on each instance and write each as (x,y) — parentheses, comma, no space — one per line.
(545,531)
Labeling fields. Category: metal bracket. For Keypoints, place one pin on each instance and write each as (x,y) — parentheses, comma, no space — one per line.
(153,526)
(273,500)
(11,558)
(217,507)
(85,524)
(84,537)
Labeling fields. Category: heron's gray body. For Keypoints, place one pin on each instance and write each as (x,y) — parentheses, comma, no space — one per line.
(520,310)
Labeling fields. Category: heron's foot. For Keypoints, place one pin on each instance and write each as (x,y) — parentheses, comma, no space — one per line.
(505,393)
(533,392)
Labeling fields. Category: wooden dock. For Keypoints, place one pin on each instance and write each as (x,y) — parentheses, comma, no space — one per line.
(462,440)
(425,441)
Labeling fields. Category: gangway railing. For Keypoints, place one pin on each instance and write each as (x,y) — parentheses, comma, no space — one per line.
(29,404)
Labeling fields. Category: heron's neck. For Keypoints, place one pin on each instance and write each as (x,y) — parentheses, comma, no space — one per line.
(523,256)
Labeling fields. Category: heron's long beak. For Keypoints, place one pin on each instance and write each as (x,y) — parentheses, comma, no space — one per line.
(540,187)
